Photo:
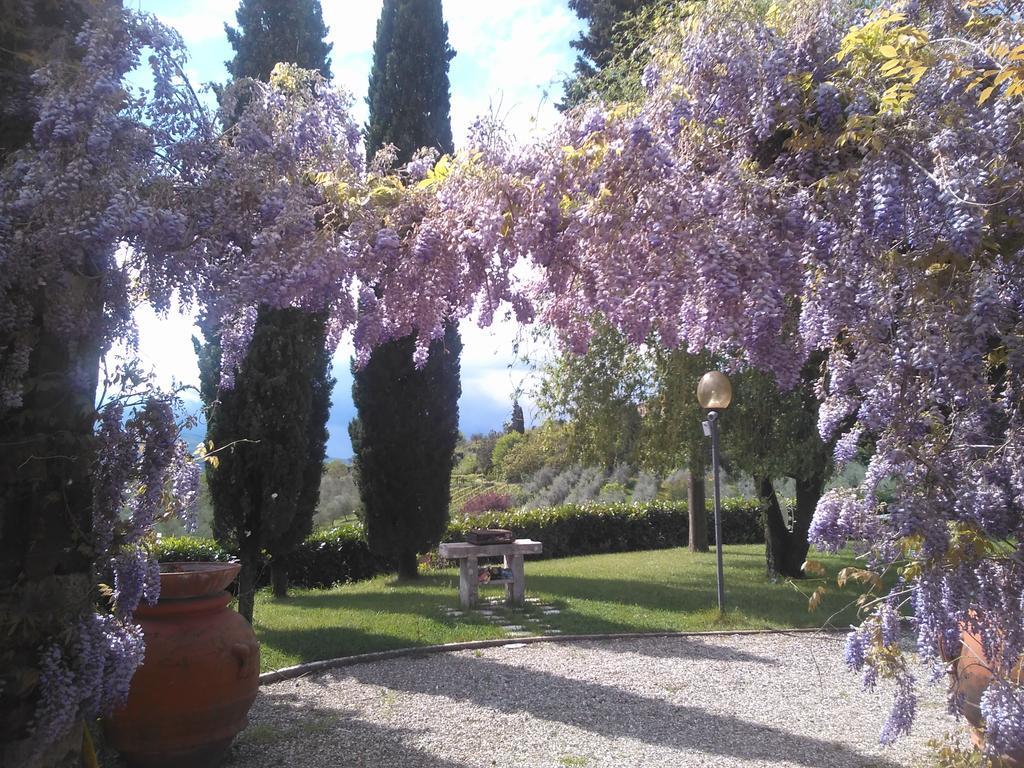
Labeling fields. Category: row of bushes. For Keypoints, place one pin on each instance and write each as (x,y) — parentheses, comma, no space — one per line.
(341,554)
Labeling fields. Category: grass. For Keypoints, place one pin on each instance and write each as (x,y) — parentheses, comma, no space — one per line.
(656,591)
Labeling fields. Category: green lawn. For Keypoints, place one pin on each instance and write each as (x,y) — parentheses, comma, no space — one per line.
(663,590)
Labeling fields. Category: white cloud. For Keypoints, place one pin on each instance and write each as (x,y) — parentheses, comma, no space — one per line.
(512,57)
(198,21)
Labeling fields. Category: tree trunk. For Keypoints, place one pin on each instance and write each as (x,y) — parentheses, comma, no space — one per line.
(808,493)
(696,502)
(279,578)
(247,585)
(47,450)
(408,567)
(786,550)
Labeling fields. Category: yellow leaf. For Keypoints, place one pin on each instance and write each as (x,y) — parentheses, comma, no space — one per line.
(815,601)
(984,95)
(888,51)
(1002,76)
(814,568)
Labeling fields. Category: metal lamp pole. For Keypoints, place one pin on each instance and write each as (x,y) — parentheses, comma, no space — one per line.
(714,392)
(711,429)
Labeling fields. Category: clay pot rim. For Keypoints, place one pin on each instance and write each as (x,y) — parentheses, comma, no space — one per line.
(180,580)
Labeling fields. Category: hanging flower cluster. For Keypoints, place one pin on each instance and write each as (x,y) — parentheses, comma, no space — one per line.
(808,178)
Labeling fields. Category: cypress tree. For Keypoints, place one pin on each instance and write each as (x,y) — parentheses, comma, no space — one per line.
(266,487)
(518,421)
(406,429)
(613,49)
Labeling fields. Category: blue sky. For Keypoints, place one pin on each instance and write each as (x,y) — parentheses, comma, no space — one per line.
(512,56)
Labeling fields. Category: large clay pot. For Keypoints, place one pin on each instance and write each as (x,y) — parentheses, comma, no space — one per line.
(190,697)
(971,676)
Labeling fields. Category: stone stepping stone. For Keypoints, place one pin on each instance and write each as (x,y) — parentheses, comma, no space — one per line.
(551,611)
(552,631)
(513,627)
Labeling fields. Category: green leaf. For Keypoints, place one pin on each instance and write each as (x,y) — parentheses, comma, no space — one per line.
(889,51)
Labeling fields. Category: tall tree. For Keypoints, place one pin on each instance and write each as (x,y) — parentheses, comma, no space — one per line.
(614,48)
(405,433)
(265,489)
(518,421)
(46,571)
(409,99)
(271,31)
(773,434)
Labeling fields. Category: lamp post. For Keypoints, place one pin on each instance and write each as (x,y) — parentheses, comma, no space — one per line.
(714,392)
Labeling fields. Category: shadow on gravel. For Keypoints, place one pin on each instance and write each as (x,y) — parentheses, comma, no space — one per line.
(684,648)
(287,731)
(609,711)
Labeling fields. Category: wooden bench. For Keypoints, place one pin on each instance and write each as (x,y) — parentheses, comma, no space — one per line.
(468,556)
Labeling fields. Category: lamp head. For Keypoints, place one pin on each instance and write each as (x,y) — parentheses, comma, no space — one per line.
(714,392)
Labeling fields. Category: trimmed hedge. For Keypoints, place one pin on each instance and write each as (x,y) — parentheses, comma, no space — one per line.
(333,557)
(341,554)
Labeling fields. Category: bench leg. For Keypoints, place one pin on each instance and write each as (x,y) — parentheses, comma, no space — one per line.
(468,582)
(516,591)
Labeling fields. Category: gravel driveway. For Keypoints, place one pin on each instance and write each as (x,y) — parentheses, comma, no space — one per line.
(779,700)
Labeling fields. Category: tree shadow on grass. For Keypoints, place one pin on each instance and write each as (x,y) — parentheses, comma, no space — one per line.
(607,710)
(318,643)
(774,604)
(287,730)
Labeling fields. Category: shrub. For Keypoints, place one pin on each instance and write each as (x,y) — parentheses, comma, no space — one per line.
(587,487)
(556,492)
(586,529)
(646,487)
(467,464)
(341,554)
(486,502)
(191,549)
(612,493)
(505,443)
(539,480)
(620,474)
(333,557)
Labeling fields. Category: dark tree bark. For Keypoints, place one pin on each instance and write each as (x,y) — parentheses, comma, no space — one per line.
(47,445)
(408,566)
(247,584)
(279,578)
(785,549)
(696,502)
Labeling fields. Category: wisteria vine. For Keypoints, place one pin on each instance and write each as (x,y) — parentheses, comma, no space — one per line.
(807,177)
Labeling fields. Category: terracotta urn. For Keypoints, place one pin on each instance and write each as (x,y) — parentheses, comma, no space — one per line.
(971,676)
(190,697)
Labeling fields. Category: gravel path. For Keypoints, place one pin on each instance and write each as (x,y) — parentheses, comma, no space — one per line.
(784,701)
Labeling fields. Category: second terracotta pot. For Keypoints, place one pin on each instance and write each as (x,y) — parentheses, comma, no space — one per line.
(971,676)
